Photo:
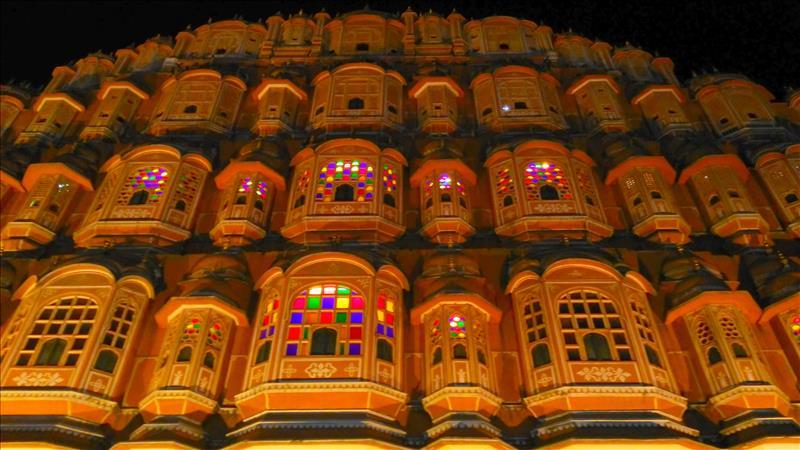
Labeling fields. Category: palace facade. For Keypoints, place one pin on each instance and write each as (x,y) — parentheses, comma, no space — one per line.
(413,231)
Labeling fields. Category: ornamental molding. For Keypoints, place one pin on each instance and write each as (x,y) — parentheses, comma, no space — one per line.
(765,388)
(182,394)
(604,374)
(38,379)
(320,370)
(563,426)
(268,424)
(437,430)
(449,391)
(9,393)
(316,387)
(619,390)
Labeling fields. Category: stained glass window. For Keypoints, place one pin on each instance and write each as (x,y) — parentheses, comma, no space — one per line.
(436,328)
(445,182)
(188,185)
(326,306)
(389,178)
(267,327)
(192,329)
(504,184)
(153,180)
(249,185)
(458,328)
(354,172)
(214,338)
(794,325)
(538,174)
(386,314)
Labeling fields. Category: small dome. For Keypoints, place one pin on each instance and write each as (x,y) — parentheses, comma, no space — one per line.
(227,266)
(692,278)
(450,262)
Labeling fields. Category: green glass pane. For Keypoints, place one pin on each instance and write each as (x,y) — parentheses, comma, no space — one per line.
(343,290)
(305,333)
(313,303)
(341,317)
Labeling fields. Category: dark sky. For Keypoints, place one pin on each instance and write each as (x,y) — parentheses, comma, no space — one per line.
(759,38)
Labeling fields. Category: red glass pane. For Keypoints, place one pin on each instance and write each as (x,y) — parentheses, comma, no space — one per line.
(355,333)
(327,317)
(294,333)
(357,303)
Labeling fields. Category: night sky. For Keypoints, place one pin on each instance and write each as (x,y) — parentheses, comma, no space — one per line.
(760,39)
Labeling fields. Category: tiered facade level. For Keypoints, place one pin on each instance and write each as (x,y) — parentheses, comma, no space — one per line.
(413,231)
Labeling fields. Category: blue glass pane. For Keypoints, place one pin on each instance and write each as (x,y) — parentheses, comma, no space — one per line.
(355,349)
(297,318)
(390,332)
(291,350)
(327,302)
(380,328)
(357,317)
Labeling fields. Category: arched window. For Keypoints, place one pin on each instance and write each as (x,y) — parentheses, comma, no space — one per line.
(262,355)
(596,347)
(445,198)
(344,193)
(328,306)
(714,356)
(241,200)
(106,361)
(384,350)
(145,185)
(713,200)
(548,192)
(508,200)
(138,198)
(62,326)
(180,205)
(539,175)
(184,355)
(300,201)
(459,351)
(652,356)
(655,195)
(346,172)
(481,357)
(191,109)
(739,351)
(790,198)
(209,360)
(355,103)
(520,105)
(540,355)
(437,356)
(388,200)
(323,342)
(362,47)
(590,312)
(51,351)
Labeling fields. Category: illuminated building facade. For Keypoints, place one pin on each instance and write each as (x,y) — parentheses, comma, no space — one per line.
(413,231)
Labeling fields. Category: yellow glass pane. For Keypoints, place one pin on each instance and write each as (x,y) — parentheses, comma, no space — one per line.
(389,305)
(342,302)
(381,315)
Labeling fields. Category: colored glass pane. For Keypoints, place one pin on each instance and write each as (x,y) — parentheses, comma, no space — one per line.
(327,305)
(795,326)
(291,349)
(192,328)
(249,185)
(445,182)
(384,313)
(458,327)
(544,173)
(214,335)
(435,328)
(358,174)
(355,349)
(504,184)
(151,179)
(389,178)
